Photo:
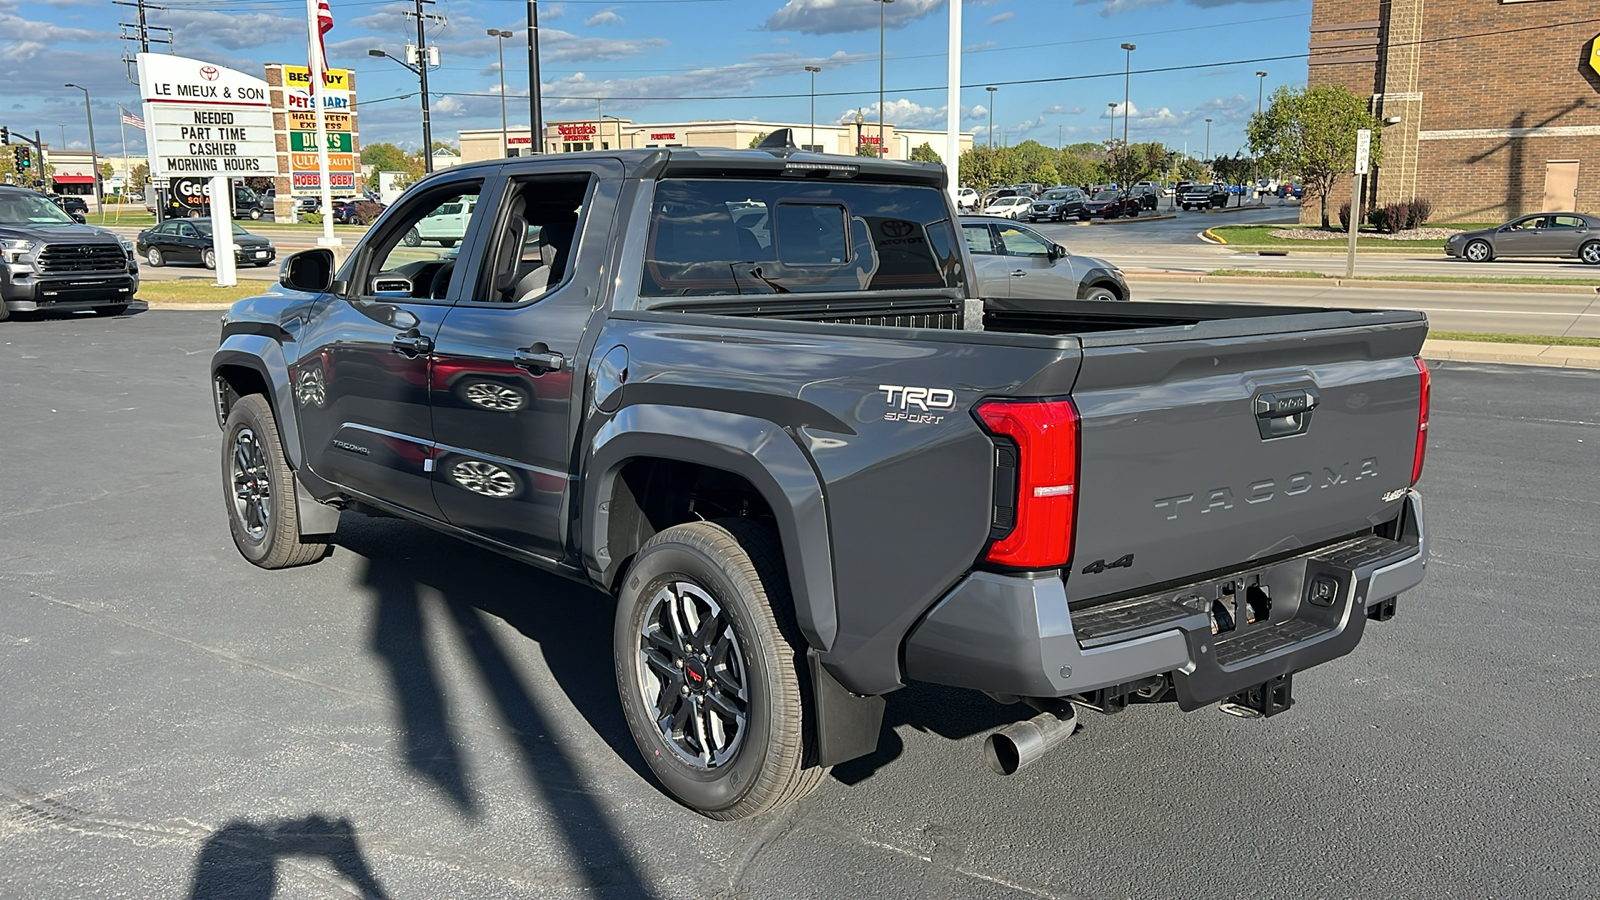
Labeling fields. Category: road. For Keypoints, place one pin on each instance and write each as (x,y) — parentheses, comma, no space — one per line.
(414,717)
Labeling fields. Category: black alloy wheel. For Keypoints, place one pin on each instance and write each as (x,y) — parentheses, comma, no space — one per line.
(710,669)
(258,490)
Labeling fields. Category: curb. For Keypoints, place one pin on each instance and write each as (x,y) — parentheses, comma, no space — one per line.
(1125,220)
(1213,238)
(1169,277)
(1513,354)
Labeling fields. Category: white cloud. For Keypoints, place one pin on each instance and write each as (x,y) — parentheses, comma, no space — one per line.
(974,48)
(840,16)
(564,46)
(1006,16)
(1059,110)
(604,17)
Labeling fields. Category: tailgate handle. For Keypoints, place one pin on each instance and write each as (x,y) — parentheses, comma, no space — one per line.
(1284,413)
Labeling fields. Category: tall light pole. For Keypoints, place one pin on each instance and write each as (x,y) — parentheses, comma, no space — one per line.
(1127,72)
(94,157)
(813,70)
(535,95)
(422,73)
(882,5)
(619,128)
(1111,113)
(505,139)
(1208,139)
(991,91)
(1255,166)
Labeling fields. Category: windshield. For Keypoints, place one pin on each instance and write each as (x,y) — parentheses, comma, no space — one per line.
(1057,195)
(31,209)
(1106,195)
(204,228)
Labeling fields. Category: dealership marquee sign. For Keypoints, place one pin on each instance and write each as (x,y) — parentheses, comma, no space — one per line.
(204,119)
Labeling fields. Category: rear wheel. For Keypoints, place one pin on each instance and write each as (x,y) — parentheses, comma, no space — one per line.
(412,239)
(258,490)
(1590,253)
(711,671)
(1478,251)
(155,257)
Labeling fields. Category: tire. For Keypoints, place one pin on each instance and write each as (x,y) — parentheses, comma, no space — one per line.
(111,311)
(154,257)
(1102,295)
(730,572)
(255,214)
(265,524)
(1478,251)
(1590,253)
(1133,213)
(263,263)
(412,239)
(447,244)
(209,258)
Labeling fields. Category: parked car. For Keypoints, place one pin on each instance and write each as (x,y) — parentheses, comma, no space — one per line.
(190,241)
(356,211)
(1013,207)
(1013,260)
(1057,204)
(50,261)
(1543,234)
(966,198)
(71,203)
(1204,196)
(802,476)
(1148,195)
(1110,205)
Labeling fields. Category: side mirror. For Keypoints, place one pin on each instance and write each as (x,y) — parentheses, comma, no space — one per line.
(1057,251)
(310,271)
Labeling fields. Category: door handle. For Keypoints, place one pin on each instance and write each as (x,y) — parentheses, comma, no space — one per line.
(412,345)
(1018,273)
(538,359)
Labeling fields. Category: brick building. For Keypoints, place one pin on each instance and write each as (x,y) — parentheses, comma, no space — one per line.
(1497,101)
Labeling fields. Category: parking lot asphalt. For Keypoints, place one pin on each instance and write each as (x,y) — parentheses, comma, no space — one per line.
(414,717)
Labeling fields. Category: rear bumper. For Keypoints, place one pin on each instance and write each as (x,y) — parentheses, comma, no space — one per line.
(1014,634)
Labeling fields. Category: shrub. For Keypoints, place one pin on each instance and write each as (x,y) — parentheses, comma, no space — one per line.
(1421,212)
(311,218)
(366,212)
(1378,218)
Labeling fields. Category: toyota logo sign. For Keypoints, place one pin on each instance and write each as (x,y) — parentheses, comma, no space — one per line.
(894,228)
(210,73)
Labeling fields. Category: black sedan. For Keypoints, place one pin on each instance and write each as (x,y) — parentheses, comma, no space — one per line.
(1110,205)
(189,241)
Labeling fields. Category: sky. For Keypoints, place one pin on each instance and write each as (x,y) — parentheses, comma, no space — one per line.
(1057,64)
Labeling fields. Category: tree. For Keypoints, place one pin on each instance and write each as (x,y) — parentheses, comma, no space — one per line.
(107,172)
(925,153)
(1074,168)
(1311,132)
(1191,169)
(140,176)
(384,157)
(1233,169)
(756,141)
(1135,162)
(865,149)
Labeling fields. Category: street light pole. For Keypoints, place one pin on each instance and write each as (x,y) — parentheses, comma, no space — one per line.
(1127,73)
(535,96)
(420,72)
(505,139)
(991,91)
(882,5)
(94,157)
(1255,165)
(1111,113)
(1208,139)
(813,70)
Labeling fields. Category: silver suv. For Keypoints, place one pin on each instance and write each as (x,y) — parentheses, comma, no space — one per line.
(1014,261)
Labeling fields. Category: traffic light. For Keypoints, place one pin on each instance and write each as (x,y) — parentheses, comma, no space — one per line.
(5,137)
(24,159)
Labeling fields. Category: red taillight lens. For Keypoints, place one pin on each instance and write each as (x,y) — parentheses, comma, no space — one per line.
(1422,421)
(1046,436)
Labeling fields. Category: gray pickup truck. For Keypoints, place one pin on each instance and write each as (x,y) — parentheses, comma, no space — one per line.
(49,261)
(753,396)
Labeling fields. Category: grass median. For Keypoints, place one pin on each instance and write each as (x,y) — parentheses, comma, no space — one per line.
(198,292)
(1423,279)
(1261,236)
(1540,340)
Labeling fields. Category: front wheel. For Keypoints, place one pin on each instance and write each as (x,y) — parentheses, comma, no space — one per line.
(1102,295)
(209,258)
(1590,253)
(710,669)
(1478,251)
(255,214)
(258,490)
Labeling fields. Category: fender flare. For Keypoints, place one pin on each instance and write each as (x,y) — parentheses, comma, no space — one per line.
(1095,277)
(264,356)
(761,452)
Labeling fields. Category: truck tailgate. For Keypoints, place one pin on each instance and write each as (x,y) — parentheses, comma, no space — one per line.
(1208,447)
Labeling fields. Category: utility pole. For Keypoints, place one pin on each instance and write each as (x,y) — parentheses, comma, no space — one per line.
(535,95)
(422,73)
(882,4)
(140,30)
(505,139)
(991,91)
(1127,70)
(813,70)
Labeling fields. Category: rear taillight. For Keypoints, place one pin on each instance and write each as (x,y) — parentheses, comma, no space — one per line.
(1036,475)
(1422,421)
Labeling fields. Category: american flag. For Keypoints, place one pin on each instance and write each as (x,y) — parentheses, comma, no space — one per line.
(324,25)
(129,118)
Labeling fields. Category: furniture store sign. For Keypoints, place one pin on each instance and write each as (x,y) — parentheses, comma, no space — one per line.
(205,119)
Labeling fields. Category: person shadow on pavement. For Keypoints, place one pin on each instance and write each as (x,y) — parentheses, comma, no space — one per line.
(240,862)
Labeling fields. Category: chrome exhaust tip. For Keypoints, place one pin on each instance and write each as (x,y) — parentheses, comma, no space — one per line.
(1021,743)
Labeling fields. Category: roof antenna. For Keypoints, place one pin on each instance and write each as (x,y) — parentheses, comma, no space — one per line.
(782,139)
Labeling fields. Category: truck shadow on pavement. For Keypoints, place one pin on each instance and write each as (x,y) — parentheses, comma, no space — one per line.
(407,566)
(951,713)
(240,862)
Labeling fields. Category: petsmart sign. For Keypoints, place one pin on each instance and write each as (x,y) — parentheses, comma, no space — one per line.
(204,119)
